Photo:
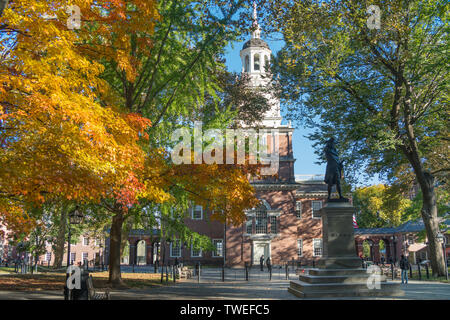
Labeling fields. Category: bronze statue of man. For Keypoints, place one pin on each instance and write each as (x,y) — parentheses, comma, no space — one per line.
(334,168)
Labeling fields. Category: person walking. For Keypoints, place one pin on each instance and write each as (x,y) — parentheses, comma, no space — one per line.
(269,266)
(404,266)
(261,262)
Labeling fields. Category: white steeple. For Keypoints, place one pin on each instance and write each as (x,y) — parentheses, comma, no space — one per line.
(255,57)
(257,30)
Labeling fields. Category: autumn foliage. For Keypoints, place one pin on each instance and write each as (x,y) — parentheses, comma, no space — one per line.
(65,133)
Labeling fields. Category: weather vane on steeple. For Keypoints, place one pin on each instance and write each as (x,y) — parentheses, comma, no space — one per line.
(257,31)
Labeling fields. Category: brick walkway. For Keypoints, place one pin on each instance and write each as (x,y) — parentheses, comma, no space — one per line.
(235,287)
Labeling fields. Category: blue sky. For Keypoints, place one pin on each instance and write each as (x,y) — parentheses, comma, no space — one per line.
(302,146)
(303,150)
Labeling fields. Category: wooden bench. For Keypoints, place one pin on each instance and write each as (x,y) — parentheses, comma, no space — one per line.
(93,294)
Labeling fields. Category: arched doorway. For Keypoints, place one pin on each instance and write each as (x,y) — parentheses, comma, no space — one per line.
(382,247)
(367,249)
(141,250)
(125,259)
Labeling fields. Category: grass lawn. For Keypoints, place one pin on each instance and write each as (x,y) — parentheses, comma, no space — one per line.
(6,270)
(415,276)
(55,281)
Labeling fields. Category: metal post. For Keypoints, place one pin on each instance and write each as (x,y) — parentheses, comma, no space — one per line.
(167,274)
(420,273)
(174,275)
(223,273)
(444,244)
(198,272)
(270,273)
(314,263)
(427,271)
(410,271)
(287,271)
(392,270)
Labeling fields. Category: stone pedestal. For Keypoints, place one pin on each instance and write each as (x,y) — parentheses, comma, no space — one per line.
(340,272)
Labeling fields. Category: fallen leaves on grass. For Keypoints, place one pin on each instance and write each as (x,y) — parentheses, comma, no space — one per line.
(37,282)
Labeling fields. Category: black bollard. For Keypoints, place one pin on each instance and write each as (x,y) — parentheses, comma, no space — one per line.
(133,267)
(427,271)
(246,272)
(167,275)
(270,273)
(392,271)
(420,273)
(162,274)
(410,271)
(198,273)
(174,273)
(223,273)
(287,272)
(314,263)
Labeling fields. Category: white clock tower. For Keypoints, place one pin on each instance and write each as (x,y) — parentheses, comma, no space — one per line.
(255,56)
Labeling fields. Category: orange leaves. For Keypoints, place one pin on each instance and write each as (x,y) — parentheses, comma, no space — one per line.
(139,123)
(60,141)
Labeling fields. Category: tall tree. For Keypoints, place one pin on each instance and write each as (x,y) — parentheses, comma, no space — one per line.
(380,206)
(170,85)
(381,89)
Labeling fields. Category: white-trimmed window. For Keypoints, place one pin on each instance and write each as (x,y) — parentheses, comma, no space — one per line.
(261,222)
(218,244)
(72,257)
(256,62)
(316,206)
(196,252)
(48,256)
(317,247)
(273,224)
(85,256)
(298,209)
(300,247)
(175,249)
(197,213)
(85,241)
(247,64)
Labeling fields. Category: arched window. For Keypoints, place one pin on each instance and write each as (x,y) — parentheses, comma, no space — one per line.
(247,64)
(256,62)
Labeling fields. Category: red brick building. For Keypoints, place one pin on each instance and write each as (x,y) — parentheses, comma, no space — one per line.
(287,225)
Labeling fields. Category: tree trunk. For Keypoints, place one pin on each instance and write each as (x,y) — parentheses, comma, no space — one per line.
(114,250)
(429,211)
(3,5)
(429,217)
(60,239)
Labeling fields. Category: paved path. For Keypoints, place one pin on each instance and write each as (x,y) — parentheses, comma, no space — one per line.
(235,287)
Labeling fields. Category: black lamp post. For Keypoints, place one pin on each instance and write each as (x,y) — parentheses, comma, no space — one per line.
(394,239)
(442,239)
(75,217)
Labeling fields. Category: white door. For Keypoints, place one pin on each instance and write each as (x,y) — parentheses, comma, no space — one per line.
(260,249)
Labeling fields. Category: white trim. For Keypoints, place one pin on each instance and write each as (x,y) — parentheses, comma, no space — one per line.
(201,212)
(298,247)
(321,245)
(214,252)
(200,253)
(301,207)
(170,251)
(312,208)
